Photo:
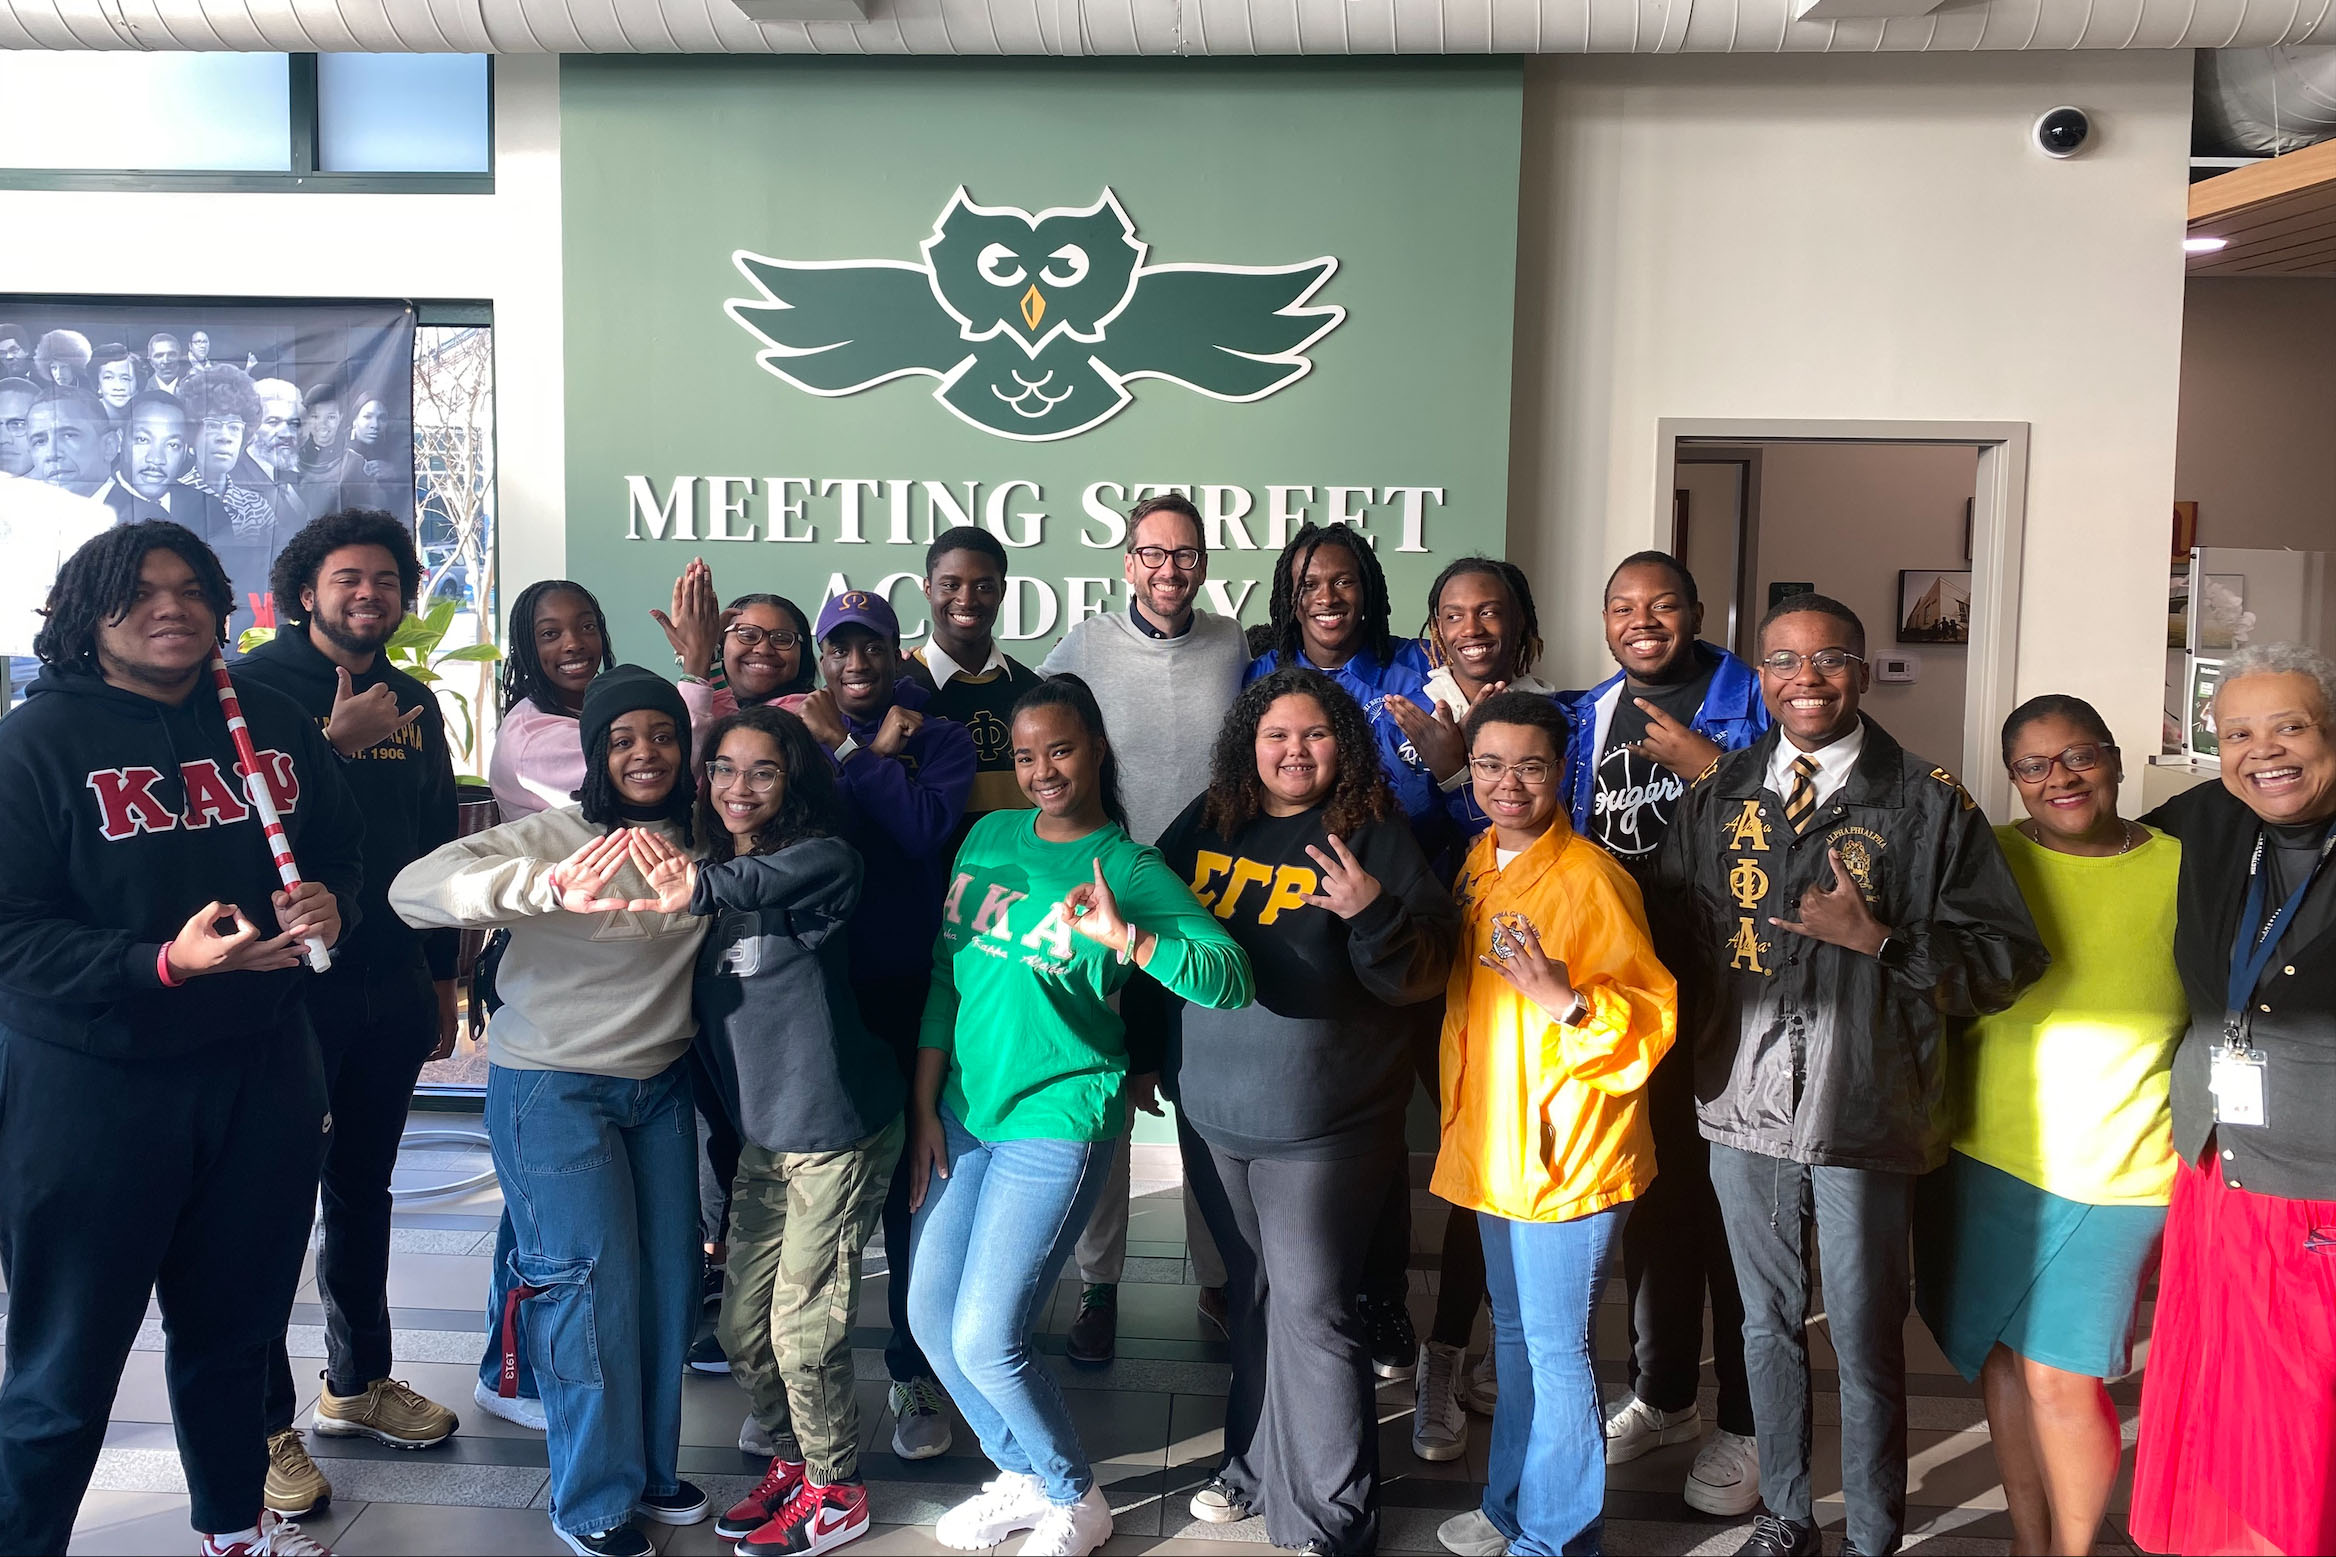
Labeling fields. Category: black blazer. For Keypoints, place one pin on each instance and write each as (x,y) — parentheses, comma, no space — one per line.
(2292,1017)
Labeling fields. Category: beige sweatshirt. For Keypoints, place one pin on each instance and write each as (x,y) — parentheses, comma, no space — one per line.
(601,994)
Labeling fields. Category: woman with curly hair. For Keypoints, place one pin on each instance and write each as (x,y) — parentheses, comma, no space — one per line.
(1299,846)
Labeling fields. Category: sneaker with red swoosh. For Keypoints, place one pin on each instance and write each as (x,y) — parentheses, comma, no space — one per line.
(818,1519)
(758,1508)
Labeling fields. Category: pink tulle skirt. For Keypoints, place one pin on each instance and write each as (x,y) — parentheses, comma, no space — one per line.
(2238,1403)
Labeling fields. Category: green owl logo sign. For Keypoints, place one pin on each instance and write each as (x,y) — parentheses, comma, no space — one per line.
(1035,325)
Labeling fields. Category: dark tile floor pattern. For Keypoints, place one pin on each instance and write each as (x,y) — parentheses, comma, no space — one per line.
(1152,1423)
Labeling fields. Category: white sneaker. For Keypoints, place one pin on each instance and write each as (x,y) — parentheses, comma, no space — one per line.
(756,1439)
(1218,1504)
(1634,1428)
(1472,1535)
(920,1421)
(1726,1477)
(1003,1507)
(519,1410)
(1439,1428)
(1482,1392)
(1071,1529)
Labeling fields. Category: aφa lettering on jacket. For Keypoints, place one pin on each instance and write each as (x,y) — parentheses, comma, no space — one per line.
(991,928)
(397,746)
(1286,886)
(128,803)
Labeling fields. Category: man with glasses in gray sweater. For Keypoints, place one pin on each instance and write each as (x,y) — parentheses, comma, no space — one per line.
(1164,673)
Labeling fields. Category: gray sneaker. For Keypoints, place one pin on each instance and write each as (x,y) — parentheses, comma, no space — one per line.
(756,1439)
(1472,1535)
(920,1420)
(1439,1428)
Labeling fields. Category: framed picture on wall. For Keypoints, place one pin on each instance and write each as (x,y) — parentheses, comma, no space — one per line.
(1934,605)
(2185,530)
(2205,676)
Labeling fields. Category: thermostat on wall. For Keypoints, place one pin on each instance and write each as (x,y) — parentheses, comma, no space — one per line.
(1897,667)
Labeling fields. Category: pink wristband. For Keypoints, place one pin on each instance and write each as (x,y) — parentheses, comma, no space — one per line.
(162,968)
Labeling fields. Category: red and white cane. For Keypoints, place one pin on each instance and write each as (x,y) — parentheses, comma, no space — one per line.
(263,800)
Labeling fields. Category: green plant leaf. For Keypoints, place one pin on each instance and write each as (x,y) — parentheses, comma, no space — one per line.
(472,654)
(252,637)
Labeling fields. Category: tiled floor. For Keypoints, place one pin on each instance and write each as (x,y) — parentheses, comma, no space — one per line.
(1151,1422)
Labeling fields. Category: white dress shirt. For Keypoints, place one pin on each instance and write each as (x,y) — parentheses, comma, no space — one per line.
(942,667)
(1833,764)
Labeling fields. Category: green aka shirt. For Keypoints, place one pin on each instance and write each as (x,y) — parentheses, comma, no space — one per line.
(1022,1002)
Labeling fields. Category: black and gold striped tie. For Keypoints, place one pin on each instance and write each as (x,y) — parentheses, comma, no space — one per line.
(1801,804)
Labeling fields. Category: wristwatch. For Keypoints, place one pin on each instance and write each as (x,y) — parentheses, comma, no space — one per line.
(1892,953)
(1579,1012)
(844,748)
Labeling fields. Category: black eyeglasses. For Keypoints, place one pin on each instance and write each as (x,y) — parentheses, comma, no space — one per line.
(748,635)
(2077,759)
(1185,557)
(1826,662)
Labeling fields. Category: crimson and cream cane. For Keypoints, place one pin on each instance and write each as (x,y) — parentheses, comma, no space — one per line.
(263,799)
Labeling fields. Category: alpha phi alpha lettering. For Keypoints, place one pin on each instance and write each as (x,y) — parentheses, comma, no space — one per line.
(1745,947)
(128,803)
(1748,830)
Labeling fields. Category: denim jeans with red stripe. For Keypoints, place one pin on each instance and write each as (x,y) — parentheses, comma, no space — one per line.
(600,1179)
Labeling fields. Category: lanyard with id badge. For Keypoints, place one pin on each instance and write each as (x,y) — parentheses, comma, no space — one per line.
(2235,1074)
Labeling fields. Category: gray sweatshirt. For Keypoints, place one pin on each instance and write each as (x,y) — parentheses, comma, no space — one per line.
(604,994)
(1163,700)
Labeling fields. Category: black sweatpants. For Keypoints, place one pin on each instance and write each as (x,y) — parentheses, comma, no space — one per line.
(894,1010)
(372,1035)
(191,1178)
(1387,1268)
(1674,1248)
(1301,1425)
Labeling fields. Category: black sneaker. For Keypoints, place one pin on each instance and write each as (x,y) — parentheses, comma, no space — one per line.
(713,1292)
(623,1541)
(1094,1337)
(1774,1537)
(1394,1344)
(706,1355)
(684,1505)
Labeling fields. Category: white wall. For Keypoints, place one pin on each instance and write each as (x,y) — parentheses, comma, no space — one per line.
(2258,403)
(503,247)
(1863,237)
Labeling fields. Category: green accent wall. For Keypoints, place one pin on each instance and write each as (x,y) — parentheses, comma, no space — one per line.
(1404,172)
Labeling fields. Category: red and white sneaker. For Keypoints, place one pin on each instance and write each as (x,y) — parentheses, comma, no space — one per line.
(775,1491)
(277,1537)
(820,1519)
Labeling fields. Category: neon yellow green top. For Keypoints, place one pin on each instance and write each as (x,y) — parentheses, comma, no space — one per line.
(2068,1088)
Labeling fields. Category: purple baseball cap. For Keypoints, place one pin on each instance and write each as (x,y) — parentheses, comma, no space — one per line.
(858,608)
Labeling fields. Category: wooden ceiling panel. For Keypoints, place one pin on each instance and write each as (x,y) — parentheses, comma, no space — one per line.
(2278,217)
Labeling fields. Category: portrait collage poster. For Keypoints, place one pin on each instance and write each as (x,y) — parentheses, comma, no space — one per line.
(241,422)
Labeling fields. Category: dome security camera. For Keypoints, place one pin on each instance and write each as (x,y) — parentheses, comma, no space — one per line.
(2062,132)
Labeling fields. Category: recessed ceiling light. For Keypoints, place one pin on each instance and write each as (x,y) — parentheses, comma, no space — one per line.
(2203,245)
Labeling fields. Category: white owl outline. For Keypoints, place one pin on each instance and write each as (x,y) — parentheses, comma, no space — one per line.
(775,354)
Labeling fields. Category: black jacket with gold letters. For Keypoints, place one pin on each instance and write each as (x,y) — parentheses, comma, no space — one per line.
(1809,1051)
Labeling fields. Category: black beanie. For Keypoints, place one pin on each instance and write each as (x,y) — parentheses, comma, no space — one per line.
(629,689)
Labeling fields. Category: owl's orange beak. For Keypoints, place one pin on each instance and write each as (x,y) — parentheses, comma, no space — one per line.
(1033,307)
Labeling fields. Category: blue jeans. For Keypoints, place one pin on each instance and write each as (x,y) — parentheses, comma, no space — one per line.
(498,1301)
(600,1179)
(1022,1204)
(1546,1483)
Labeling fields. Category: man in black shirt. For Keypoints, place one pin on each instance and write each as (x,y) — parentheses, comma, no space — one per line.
(1639,739)
(341,587)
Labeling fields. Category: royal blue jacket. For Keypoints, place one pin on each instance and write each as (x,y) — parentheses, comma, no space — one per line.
(1371,684)
(1732,716)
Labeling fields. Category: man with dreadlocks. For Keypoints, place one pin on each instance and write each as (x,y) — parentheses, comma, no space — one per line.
(1330,613)
(162,1107)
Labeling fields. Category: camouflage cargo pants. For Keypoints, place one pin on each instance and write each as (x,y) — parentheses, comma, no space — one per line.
(798,1223)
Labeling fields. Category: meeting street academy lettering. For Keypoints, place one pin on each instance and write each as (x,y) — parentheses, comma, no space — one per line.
(908,512)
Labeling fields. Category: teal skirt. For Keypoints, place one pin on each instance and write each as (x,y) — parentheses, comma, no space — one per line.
(2057,1281)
